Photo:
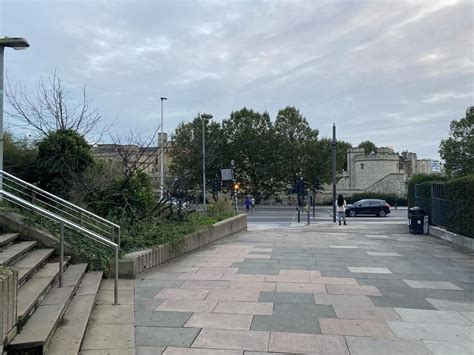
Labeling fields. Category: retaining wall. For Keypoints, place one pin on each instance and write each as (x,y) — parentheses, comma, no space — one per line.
(451,237)
(133,263)
(8,304)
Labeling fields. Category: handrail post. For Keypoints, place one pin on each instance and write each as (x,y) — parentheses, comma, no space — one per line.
(61,253)
(116,275)
(113,234)
(118,239)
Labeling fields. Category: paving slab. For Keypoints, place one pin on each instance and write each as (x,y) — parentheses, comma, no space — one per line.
(369,270)
(206,285)
(220,321)
(307,343)
(449,347)
(234,295)
(450,305)
(370,313)
(191,351)
(149,350)
(151,318)
(343,299)
(428,331)
(162,336)
(232,339)
(258,308)
(352,290)
(428,316)
(286,297)
(187,305)
(182,293)
(374,346)
(436,285)
(356,327)
(301,288)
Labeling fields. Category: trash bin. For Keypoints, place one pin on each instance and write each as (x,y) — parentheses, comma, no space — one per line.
(415,220)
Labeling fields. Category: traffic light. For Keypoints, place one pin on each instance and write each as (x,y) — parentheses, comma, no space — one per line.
(236,186)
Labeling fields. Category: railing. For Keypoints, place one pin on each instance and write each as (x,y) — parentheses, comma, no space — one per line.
(438,204)
(60,207)
(53,202)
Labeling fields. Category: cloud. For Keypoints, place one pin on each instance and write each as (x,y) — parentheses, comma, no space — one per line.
(382,70)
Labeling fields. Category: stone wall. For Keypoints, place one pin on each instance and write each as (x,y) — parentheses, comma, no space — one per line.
(367,171)
(393,184)
(8,304)
(133,263)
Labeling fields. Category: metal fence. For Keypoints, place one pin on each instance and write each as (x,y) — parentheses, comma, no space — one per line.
(433,202)
(438,204)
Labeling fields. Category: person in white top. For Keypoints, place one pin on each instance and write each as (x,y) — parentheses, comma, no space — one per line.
(341,209)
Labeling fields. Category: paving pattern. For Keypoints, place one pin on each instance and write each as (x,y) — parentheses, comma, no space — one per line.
(322,289)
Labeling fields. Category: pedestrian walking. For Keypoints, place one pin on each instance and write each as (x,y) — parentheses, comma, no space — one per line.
(247,203)
(341,209)
(252,202)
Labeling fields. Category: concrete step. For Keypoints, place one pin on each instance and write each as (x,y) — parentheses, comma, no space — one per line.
(31,263)
(7,239)
(68,337)
(15,252)
(35,290)
(38,331)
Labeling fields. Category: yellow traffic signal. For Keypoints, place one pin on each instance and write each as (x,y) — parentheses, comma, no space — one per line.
(236,186)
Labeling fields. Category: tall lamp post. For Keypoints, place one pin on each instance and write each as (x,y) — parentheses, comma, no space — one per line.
(334,144)
(204,117)
(15,43)
(162,163)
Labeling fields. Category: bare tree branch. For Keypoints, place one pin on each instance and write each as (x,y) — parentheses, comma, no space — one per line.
(52,109)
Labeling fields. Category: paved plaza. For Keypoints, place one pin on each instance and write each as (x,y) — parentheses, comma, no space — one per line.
(322,289)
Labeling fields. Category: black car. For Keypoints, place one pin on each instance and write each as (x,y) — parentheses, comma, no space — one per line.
(376,207)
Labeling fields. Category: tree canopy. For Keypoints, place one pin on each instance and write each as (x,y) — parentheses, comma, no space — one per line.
(368,146)
(457,151)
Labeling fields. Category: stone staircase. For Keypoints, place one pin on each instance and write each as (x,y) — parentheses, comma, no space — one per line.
(51,319)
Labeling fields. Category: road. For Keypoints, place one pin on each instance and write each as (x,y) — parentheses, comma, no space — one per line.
(269,217)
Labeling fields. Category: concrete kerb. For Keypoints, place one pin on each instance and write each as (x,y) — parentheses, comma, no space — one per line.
(453,238)
(134,263)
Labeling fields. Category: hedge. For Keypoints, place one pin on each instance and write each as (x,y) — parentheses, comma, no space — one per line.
(417,179)
(460,205)
(391,199)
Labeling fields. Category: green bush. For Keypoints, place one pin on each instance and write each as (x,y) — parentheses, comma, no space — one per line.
(160,231)
(460,205)
(221,208)
(417,179)
(391,199)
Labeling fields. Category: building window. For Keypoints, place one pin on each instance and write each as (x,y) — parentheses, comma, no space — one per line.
(362,165)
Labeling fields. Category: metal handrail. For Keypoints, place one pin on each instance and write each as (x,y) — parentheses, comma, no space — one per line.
(64,203)
(64,222)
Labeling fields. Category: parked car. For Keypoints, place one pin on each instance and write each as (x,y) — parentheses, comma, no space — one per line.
(175,203)
(369,206)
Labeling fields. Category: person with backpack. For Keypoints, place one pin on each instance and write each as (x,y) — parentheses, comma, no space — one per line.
(341,209)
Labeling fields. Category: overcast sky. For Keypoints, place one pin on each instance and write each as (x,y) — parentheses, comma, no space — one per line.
(393,72)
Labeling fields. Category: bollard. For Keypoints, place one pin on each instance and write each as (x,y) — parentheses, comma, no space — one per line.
(298,210)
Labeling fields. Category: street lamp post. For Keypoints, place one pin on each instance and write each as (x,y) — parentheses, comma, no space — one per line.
(15,43)
(204,116)
(162,163)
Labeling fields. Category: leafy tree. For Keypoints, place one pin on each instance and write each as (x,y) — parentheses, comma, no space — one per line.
(19,157)
(295,139)
(368,146)
(62,157)
(187,152)
(458,150)
(250,140)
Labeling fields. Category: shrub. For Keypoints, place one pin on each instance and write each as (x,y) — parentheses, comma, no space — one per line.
(391,199)
(417,179)
(460,205)
(221,208)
